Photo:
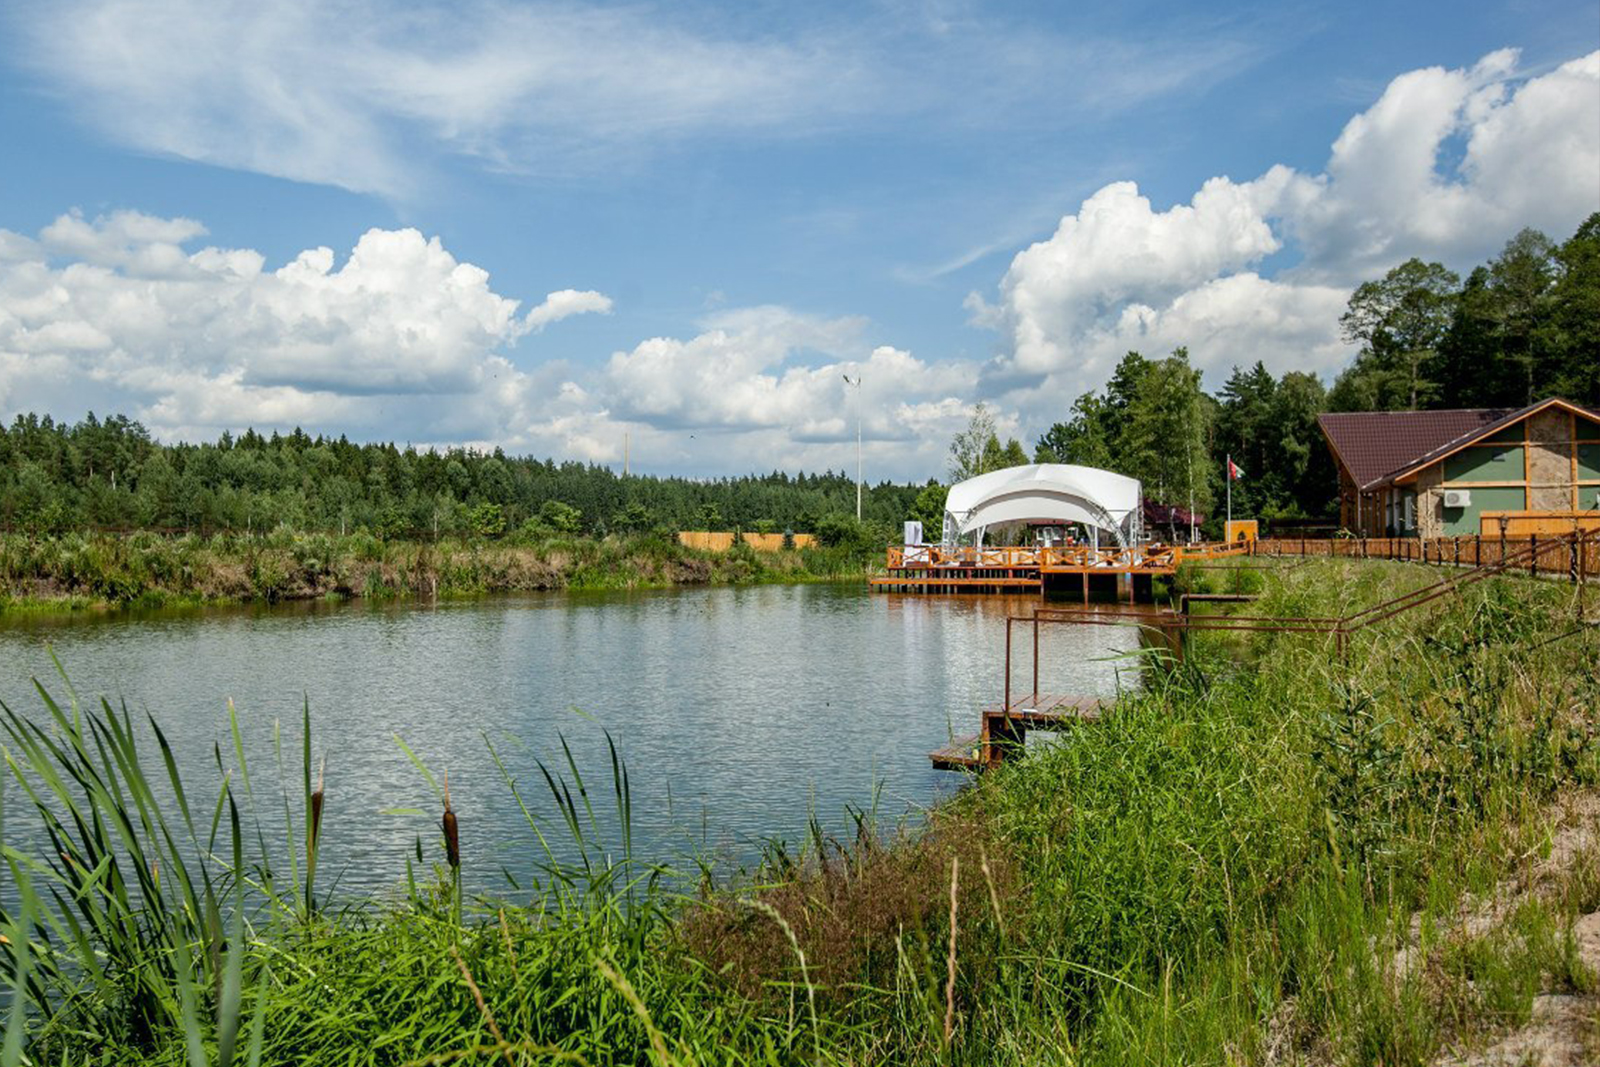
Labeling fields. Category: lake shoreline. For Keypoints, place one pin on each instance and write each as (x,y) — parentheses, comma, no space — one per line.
(77,573)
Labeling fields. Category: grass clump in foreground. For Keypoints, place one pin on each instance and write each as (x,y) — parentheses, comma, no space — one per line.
(1264,856)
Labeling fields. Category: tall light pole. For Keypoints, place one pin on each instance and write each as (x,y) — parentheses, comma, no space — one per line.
(856,381)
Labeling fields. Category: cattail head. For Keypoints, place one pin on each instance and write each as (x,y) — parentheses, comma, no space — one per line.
(452,832)
(316,804)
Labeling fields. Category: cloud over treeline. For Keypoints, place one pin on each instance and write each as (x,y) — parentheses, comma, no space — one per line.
(1447,165)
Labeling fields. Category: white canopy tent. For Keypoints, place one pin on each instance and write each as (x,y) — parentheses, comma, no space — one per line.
(1108,504)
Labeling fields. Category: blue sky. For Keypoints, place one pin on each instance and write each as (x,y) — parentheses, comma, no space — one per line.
(740,203)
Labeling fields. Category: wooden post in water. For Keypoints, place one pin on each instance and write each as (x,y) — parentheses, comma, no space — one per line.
(1008,666)
(1036,657)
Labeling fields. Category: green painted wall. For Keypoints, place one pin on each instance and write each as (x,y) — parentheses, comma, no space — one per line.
(1588,462)
(1458,521)
(1501,463)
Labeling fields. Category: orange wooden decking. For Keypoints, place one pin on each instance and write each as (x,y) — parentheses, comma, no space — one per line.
(1005,728)
(935,568)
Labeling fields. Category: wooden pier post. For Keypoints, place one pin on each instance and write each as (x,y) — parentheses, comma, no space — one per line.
(1036,653)
(1008,664)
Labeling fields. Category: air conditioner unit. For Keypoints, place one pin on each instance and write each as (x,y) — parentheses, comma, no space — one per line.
(1458,498)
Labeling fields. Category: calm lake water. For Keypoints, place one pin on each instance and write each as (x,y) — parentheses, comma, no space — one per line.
(739,711)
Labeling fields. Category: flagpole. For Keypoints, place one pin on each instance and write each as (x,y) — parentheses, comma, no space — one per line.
(1190,479)
(1229,479)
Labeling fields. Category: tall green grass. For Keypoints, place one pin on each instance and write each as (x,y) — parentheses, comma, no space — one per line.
(1233,863)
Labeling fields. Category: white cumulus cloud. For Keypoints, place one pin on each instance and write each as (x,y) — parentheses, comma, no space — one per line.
(565,303)
(747,371)
(195,341)
(1447,164)
(402,340)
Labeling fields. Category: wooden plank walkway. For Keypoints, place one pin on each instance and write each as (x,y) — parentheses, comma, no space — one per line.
(957,581)
(1042,711)
(1003,728)
(962,754)
(1144,567)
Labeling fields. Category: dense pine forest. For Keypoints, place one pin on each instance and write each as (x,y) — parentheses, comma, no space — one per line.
(110,474)
(1524,326)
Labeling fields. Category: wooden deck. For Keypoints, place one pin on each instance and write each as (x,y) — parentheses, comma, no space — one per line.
(956,580)
(1046,711)
(936,568)
(1007,728)
(961,754)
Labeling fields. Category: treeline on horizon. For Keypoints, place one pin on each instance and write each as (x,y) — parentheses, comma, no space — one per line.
(1524,326)
(110,474)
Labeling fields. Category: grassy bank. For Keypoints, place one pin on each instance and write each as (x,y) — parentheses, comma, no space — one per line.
(1266,856)
(74,571)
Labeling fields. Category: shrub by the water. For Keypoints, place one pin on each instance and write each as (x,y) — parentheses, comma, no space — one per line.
(144,568)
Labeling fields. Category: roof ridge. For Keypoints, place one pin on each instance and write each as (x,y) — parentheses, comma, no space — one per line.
(1415,411)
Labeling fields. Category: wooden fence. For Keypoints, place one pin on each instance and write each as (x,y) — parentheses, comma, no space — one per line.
(1542,523)
(1575,556)
(722,540)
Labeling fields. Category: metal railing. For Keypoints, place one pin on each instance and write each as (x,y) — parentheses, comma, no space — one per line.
(1573,551)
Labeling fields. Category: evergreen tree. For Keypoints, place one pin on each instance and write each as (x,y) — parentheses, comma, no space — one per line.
(1399,321)
(1573,337)
(1520,280)
(1164,441)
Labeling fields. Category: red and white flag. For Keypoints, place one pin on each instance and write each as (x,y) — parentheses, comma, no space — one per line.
(1234,473)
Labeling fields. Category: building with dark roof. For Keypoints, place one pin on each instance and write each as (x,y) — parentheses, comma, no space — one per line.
(1448,473)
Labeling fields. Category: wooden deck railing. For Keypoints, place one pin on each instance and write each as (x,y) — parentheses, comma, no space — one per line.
(1074,556)
(1577,556)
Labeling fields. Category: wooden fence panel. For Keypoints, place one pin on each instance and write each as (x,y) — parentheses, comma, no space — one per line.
(1536,553)
(722,540)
